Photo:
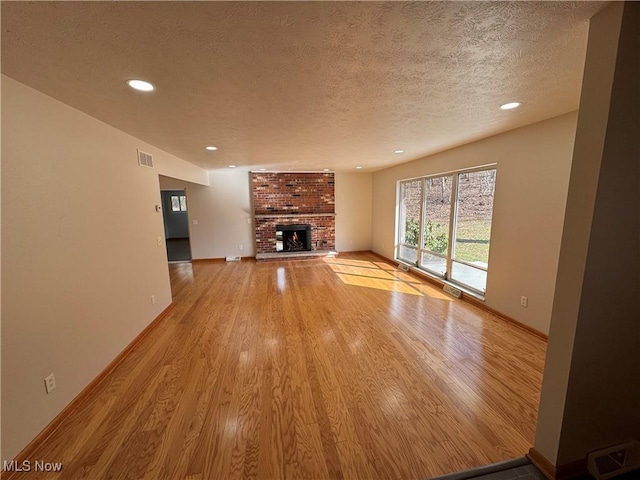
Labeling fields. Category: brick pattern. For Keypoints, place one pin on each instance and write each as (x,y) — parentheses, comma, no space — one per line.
(294,198)
(289,193)
(323,231)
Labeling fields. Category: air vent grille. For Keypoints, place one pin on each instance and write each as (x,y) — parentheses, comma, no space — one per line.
(453,291)
(614,461)
(145,159)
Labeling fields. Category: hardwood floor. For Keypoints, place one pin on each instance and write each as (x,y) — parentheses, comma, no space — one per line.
(324,368)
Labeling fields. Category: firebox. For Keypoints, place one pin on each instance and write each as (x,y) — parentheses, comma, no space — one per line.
(293,238)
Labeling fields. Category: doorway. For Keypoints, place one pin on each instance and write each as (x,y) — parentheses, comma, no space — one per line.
(176,225)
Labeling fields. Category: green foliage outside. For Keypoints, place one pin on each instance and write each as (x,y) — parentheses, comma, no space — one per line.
(411,230)
(435,236)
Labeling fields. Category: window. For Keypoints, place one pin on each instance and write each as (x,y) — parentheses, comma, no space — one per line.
(178,203)
(444,225)
(409,221)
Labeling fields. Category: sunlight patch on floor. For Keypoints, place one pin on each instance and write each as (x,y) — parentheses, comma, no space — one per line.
(378,283)
(432,292)
(347,261)
(364,272)
(381,276)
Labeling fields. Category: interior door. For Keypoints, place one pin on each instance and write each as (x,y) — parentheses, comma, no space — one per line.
(176,225)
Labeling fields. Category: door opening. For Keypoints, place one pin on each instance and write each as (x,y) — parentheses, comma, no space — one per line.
(176,225)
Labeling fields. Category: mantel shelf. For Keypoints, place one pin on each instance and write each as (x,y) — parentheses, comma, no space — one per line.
(295,214)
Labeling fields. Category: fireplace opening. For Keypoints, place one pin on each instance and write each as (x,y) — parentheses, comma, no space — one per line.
(293,238)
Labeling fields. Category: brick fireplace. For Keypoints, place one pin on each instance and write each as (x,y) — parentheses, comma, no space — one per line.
(294,199)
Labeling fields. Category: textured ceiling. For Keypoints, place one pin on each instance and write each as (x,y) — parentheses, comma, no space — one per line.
(303,86)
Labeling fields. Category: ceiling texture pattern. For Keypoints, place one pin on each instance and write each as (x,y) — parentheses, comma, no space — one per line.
(303,85)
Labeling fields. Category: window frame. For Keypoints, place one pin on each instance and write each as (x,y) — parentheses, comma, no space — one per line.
(452,231)
(182,203)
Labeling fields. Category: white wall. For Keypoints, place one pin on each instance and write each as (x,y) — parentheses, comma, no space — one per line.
(533,165)
(590,392)
(80,259)
(353,211)
(225,218)
(223,213)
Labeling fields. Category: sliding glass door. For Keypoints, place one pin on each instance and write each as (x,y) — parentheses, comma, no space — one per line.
(474,212)
(409,221)
(444,225)
(436,224)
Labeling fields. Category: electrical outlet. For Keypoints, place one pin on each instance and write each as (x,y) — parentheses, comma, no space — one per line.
(240,247)
(524,301)
(153,299)
(194,222)
(50,383)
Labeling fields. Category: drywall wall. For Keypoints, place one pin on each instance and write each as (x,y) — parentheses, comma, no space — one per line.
(533,165)
(225,219)
(222,211)
(80,258)
(353,211)
(590,393)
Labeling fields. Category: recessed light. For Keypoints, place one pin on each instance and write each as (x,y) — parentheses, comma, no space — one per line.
(140,85)
(510,106)
(398,151)
(359,167)
(211,147)
(232,166)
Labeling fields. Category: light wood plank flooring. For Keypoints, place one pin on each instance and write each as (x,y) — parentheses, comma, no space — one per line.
(324,368)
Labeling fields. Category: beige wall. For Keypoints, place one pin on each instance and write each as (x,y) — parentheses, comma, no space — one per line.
(223,213)
(80,259)
(533,165)
(590,394)
(225,219)
(353,211)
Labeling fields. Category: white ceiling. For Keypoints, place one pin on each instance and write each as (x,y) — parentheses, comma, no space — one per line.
(303,85)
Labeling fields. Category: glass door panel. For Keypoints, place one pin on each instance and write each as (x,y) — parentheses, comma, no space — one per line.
(474,211)
(409,220)
(436,224)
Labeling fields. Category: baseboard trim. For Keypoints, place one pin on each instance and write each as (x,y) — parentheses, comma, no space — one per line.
(560,472)
(82,397)
(544,465)
(515,322)
(468,298)
(220,260)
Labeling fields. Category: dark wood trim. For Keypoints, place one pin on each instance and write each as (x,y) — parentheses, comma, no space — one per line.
(208,260)
(544,465)
(560,472)
(468,297)
(82,397)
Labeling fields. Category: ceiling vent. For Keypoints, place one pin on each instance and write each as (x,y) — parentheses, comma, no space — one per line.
(145,159)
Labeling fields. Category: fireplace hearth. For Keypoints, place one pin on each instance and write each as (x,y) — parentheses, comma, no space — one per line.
(293,238)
